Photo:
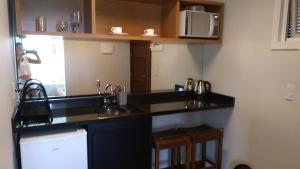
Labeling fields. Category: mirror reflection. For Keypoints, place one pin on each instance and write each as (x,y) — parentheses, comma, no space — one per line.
(67,67)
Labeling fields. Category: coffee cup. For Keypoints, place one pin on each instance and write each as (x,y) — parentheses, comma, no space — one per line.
(149,31)
(116,30)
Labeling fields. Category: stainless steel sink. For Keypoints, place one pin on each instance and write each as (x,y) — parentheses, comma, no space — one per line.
(111,112)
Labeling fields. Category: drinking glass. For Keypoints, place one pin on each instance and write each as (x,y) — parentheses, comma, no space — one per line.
(40,24)
(76,20)
(62,26)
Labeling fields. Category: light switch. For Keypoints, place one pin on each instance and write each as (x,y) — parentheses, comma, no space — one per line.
(156,46)
(290,92)
(107,47)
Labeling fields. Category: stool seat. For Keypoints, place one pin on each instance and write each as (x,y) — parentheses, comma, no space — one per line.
(171,139)
(202,134)
(167,133)
(196,129)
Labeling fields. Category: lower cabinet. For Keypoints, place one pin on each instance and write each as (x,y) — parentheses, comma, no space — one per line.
(120,144)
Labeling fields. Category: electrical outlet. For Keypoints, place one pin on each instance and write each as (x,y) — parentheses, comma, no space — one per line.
(290,92)
(156,47)
(107,47)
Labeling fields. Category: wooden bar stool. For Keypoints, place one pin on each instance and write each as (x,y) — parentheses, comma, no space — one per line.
(202,134)
(172,139)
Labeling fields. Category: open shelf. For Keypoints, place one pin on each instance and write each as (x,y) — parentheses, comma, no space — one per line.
(134,16)
(87,36)
(54,10)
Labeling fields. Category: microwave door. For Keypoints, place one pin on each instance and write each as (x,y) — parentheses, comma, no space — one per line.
(200,24)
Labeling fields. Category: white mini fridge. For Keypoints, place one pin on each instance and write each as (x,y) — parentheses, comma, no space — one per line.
(65,150)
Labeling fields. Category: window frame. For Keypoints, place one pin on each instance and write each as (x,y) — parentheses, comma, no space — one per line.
(280,19)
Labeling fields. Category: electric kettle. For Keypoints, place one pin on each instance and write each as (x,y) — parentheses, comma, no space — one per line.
(189,84)
(202,87)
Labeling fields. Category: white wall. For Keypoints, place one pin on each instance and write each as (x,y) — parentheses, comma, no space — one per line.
(6,91)
(85,63)
(175,64)
(263,129)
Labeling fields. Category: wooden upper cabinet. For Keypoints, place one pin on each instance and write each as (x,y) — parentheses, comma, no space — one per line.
(100,15)
(54,10)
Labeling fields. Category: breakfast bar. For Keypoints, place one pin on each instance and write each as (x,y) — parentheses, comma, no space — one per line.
(131,123)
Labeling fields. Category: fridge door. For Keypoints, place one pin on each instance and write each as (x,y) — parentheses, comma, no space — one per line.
(67,150)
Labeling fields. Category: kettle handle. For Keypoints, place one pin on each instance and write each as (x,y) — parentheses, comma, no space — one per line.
(207,86)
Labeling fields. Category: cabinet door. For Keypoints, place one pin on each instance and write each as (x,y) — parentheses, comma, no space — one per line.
(122,144)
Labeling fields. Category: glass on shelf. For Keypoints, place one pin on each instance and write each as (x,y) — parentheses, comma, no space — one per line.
(40,24)
(62,26)
(76,20)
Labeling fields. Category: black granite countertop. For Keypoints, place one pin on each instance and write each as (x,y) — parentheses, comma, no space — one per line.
(84,110)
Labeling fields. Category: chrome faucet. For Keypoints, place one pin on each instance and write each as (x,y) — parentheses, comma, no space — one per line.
(108,86)
(107,95)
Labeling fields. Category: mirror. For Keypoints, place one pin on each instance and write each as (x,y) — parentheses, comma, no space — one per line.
(67,67)
(72,67)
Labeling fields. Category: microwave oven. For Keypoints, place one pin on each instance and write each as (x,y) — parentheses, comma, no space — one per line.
(199,24)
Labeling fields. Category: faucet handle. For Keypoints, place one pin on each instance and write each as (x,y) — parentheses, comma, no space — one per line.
(109,86)
(99,87)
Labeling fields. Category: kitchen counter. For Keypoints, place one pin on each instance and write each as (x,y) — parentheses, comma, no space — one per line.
(83,110)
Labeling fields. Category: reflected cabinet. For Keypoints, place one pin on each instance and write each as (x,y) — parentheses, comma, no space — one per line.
(99,16)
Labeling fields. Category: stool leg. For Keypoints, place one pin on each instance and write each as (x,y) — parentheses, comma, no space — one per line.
(179,156)
(157,157)
(203,154)
(173,157)
(219,146)
(193,155)
(187,156)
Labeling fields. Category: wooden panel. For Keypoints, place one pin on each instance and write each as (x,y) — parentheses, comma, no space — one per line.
(205,2)
(170,18)
(140,66)
(210,6)
(148,1)
(88,15)
(18,15)
(221,11)
(134,17)
(93,3)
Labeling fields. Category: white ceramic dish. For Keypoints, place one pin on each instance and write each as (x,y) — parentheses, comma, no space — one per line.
(111,33)
(154,35)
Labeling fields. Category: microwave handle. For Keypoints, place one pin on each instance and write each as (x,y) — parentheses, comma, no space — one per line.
(211,26)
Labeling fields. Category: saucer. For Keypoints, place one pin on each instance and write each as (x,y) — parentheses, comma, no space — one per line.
(154,35)
(112,33)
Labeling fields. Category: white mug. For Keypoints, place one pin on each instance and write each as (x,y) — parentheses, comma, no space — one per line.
(149,31)
(116,29)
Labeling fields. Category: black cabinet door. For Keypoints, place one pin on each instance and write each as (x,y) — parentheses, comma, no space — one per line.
(120,144)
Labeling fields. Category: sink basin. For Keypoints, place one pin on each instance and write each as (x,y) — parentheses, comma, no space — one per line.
(112,111)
